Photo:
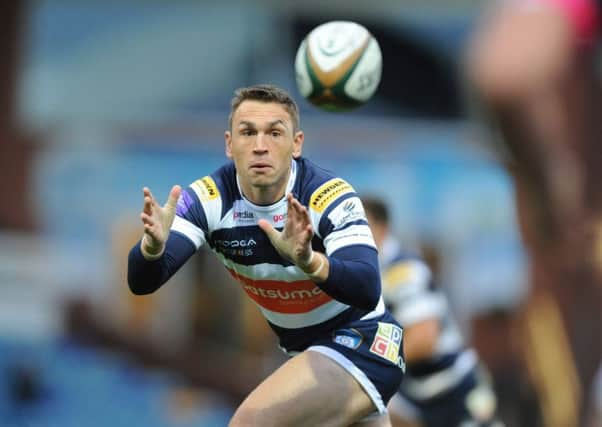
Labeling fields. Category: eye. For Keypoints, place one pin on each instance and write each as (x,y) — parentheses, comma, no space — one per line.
(247,132)
(276,133)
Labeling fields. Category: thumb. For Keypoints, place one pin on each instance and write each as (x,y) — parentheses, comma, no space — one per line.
(174,195)
(268,229)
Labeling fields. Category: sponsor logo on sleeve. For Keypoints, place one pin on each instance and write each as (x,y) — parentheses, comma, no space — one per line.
(184,203)
(207,189)
(387,343)
(350,338)
(328,193)
(346,212)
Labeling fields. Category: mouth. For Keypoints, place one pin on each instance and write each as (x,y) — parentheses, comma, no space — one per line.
(260,167)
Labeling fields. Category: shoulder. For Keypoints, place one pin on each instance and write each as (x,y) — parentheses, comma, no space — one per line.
(319,188)
(214,193)
(406,271)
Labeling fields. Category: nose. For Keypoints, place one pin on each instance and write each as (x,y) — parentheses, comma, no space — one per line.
(260,143)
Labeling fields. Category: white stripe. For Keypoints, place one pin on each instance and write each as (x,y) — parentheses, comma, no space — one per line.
(229,222)
(315,218)
(341,214)
(450,339)
(417,309)
(283,274)
(355,372)
(426,388)
(265,271)
(353,235)
(188,229)
(300,320)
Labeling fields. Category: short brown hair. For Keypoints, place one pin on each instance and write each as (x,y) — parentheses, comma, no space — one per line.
(265,93)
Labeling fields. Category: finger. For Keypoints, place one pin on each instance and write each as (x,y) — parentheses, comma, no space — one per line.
(174,195)
(147,193)
(153,202)
(289,205)
(149,201)
(146,197)
(309,230)
(297,206)
(147,208)
(301,212)
(295,209)
(147,219)
(268,229)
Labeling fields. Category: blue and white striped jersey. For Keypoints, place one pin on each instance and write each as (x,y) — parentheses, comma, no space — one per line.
(213,211)
(409,294)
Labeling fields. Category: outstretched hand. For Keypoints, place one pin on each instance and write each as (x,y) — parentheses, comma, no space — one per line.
(294,241)
(157,220)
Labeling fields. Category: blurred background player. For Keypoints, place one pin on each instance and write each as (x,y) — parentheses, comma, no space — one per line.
(533,64)
(444,383)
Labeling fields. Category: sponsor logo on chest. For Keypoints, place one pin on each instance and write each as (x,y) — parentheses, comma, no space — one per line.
(243,217)
(237,247)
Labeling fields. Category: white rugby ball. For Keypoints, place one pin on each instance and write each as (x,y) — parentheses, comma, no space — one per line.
(338,66)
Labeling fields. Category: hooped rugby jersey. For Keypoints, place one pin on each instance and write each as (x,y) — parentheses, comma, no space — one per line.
(409,293)
(213,211)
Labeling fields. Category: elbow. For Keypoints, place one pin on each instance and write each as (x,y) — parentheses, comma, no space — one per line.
(372,294)
(138,290)
(140,287)
(371,301)
(368,303)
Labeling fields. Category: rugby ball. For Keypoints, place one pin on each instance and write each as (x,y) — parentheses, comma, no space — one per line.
(338,66)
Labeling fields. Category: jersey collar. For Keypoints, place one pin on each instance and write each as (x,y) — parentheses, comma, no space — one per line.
(289,187)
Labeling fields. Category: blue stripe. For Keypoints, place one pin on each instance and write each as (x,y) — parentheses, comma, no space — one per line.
(300,338)
(353,252)
(429,367)
(326,227)
(246,245)
(349,224)
(225,180)
(190,208)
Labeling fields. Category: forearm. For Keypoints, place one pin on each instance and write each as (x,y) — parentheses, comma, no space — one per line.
(145,277)
(350,275)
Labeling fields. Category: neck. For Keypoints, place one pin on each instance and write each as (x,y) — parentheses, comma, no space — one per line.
(266,195)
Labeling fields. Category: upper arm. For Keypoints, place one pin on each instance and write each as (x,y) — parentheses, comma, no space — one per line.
(199,206)
(338,216)
(407,290)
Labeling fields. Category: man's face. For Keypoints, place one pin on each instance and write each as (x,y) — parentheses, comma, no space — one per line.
(262,143)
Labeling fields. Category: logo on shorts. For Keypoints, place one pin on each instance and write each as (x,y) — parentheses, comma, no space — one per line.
(387,342)
(350,338)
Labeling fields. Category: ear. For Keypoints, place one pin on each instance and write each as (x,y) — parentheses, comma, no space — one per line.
(228,139)
(298,144)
